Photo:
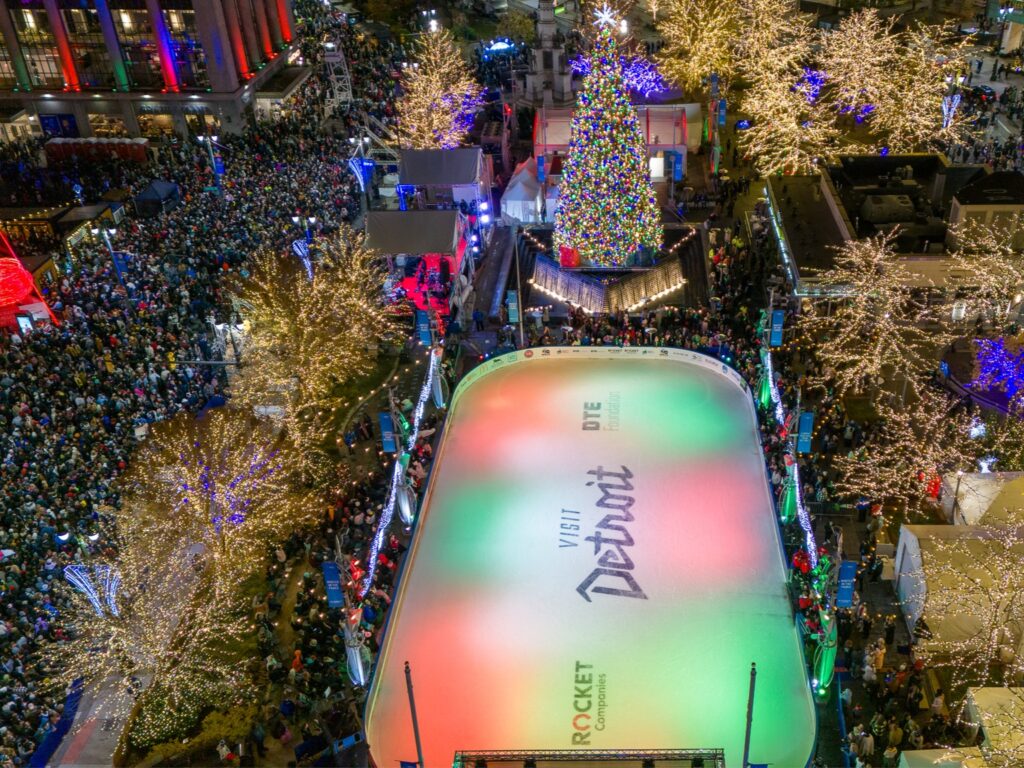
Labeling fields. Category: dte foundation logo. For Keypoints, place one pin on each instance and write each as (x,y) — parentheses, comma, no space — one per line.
(589,704)
(597,417)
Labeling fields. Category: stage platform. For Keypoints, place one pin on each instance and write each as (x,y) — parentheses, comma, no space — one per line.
(596,566)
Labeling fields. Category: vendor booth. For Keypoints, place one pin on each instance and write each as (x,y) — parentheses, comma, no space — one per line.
(997,714)
(427,259)
(523,201)
(965,757)
(159,197)
(922,565)
(984,498)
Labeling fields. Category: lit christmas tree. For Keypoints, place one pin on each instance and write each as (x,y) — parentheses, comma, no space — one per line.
(607,209)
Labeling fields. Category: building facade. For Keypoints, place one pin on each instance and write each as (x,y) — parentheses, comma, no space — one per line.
(84,68)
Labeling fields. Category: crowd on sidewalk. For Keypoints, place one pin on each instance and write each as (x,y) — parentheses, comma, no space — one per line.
(76,396)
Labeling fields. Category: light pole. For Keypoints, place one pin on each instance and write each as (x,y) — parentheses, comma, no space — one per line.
(106,233)
(306,222)
(956,494)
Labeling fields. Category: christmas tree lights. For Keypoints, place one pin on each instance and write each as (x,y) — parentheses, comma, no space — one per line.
(607,209)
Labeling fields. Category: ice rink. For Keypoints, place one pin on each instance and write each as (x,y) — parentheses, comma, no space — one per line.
(596,566)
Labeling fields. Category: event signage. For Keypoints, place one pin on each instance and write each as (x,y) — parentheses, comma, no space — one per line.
(540,169)
(778,321)
(513,307)
(679,166)
(847,579)
(332,583)
(387,432)
(806,431)
(721,112)
(423,327)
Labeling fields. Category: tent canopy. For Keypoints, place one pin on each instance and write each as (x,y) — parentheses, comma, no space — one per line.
(440,167)
(157,197)
(966,757)
(990,498)
(412,232)
(523,197)
(999,711)
(922,566)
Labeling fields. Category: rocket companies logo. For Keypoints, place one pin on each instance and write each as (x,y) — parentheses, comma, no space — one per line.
(589,704)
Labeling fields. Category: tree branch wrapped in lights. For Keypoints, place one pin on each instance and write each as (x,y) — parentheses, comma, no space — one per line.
(306,339)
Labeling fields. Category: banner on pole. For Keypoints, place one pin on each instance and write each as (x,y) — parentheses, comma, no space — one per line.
(387,432)
(423,327)
(512,298)
(332,584)
(847,580)
(803,439)
(778,321)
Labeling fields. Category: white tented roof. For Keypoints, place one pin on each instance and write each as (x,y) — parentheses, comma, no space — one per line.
(921,566)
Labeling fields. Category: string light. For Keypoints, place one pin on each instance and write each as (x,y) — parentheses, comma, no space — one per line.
(398,474)
(327,329)
(975,582)
(877,332)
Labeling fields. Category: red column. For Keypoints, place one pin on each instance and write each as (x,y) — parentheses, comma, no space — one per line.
(285,17)
(67,55)
(234,26)
(162,36)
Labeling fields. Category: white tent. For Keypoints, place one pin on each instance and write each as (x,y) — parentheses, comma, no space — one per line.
(999,713)
(988,495)
(967,757)
(551,203)
(523,199)
(918,564)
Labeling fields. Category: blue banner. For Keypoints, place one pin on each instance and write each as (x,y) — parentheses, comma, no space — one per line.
(847,580)
(423,327)
(387,433)
(803,439)
(721,112)
(120,259)
(679,166)
(778,321)
(332,583)
(540,168)
(218,165)
(512,299)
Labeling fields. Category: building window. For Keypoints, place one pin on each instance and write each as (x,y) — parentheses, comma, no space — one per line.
(95,68)
(189,57)
(138,47)
(8,77)
(38,46)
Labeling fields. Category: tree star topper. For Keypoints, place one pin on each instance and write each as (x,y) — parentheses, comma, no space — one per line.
(605,17)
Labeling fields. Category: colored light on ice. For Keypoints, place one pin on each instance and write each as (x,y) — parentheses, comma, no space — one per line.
(597,515)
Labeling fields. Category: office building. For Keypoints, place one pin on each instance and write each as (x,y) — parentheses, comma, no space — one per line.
(83,68)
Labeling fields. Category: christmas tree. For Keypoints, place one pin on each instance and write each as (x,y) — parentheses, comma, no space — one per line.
(606,209)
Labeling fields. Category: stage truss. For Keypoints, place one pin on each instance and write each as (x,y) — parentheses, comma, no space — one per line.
(709,758)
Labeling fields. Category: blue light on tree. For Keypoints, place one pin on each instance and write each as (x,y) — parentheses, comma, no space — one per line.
(230,494)
(638,74)
(810,84)
(1000,366)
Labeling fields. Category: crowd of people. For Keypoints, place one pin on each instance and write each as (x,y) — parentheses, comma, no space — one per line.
(76,396)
